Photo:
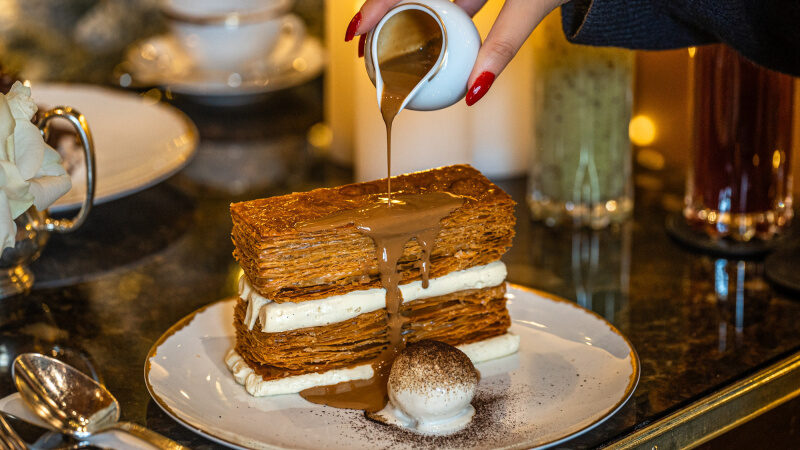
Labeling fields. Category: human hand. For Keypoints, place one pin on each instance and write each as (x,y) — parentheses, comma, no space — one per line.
(513,25)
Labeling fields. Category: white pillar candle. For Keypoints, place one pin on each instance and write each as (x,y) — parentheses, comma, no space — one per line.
(343,64)
(501,123)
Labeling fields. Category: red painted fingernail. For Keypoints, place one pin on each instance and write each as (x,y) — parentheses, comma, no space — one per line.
(352,27)
(480,87)
(361,42)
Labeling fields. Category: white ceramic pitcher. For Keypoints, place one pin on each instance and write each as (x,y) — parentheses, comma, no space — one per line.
(446,83)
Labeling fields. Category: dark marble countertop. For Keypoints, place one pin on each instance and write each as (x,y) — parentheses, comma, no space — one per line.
(106,293)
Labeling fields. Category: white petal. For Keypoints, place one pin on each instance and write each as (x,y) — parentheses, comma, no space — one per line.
(48,189)
(51,163)
(29,149)
(8,229)
(7,151)
(6,121)
(16,190)
(19,100)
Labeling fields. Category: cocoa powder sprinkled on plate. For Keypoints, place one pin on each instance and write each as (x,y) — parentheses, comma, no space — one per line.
(492,423)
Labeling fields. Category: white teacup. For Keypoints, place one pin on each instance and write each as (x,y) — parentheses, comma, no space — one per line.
(228,35)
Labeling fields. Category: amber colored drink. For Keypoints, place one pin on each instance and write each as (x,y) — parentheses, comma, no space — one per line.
(739,185)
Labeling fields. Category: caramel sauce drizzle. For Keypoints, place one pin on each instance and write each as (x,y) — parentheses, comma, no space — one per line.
(413,216)
(392,222)
(402,73)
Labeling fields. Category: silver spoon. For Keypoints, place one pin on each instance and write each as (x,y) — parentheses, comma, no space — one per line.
(9,439)
(72,402)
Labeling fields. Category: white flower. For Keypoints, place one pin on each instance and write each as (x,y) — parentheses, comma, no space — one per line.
(30,170)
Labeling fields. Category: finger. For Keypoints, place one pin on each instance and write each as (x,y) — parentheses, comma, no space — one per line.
(367,17)
(470,6)
(514,24)
(361,41)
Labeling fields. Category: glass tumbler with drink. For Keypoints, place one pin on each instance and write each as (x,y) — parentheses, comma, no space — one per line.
(739,184)
(580,169)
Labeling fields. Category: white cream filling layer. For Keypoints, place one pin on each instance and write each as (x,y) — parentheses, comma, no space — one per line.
(276,317)
(255,385)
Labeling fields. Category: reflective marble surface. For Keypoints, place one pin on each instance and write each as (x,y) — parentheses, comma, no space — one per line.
(106,293)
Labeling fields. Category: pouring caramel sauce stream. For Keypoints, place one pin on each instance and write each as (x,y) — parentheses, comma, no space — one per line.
(392,221)
(408,47)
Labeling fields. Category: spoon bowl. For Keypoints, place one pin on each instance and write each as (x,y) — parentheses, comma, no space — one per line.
(67,399)
(72,402)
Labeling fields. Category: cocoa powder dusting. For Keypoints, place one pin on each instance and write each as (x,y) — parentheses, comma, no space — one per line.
(490,427)
(427,365)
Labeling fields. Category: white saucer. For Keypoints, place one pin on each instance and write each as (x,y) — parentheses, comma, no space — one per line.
(573,371)
(160,61)
(138,143)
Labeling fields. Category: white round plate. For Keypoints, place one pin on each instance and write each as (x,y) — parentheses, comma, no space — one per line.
(573,371)
(138,143)
(160,61)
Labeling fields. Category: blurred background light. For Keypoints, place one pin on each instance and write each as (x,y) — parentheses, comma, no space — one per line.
(642,130)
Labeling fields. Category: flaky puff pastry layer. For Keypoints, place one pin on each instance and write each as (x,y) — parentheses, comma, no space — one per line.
(458,318)
(285,264)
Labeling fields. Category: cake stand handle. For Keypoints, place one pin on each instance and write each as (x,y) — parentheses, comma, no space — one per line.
(78,121)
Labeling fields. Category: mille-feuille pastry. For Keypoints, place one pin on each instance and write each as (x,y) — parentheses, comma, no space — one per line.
(312,311)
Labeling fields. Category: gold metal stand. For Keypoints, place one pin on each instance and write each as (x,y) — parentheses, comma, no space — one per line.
(712,416)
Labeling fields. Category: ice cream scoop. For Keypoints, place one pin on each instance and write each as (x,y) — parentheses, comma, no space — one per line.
(430,387)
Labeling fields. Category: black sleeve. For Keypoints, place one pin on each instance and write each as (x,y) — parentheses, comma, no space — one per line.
(765,31)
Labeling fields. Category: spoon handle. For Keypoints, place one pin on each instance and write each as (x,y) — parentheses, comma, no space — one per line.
(9,438)
(150,436)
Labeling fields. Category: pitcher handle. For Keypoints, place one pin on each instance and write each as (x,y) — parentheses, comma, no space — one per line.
(78,121)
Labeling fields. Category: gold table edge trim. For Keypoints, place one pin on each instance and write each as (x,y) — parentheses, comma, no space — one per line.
(720,412)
